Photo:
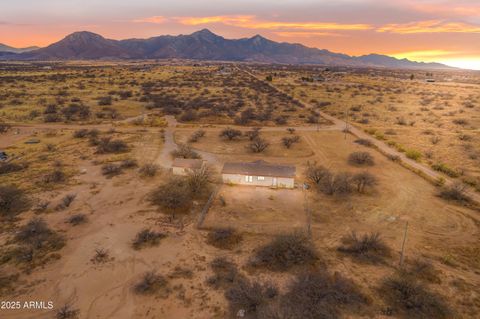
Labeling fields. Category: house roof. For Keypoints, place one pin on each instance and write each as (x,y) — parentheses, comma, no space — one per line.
(187,163)
(259,168)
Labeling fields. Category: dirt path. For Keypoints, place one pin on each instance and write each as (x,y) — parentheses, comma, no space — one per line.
(381,146)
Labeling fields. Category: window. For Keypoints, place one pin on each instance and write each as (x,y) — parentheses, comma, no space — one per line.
(249,179)
(261,178)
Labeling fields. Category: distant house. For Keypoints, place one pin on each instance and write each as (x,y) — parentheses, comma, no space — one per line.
(182,166)
(259,173)
(430,80)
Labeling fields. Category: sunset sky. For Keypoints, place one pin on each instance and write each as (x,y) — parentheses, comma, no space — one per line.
(446,31)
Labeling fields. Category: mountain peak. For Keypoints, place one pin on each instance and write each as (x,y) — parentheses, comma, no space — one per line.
(83,36)
(205,33)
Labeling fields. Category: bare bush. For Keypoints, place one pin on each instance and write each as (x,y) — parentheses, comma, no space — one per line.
(128,163)
(13,201)
(456,191)
(411,299)
(317,294)
(150,283)
(224,238)
(108,145)
(335,184)
(258,145)
(147,238)
(196,136)
(367,248)
(148,170)
(364,142)
(363,180)
(185,151)
(111,169)
(101,256)
(4,128)
(57,176)
(67,312)
(289,141)
(250,297)
(253,134)
(361,159)
(285,252)
(173,196)
(315,173)
(198,180)
(7,168)
(77,219)
(225,273)
(230,133)
(38,235)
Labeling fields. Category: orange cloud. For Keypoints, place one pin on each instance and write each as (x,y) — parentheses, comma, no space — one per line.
(301,34)
(430,26)
(154,19)
(250,22)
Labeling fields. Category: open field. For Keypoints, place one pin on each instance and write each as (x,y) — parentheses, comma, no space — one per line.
(120,237)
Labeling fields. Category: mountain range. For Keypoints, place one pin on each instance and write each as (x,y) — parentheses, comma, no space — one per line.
(6,48)
(203,45)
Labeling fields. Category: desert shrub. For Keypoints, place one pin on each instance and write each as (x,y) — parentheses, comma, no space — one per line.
(225,273)
(198,180)
(413,154)
(422,270)
(224,238)
(288,141)
(150,283)
(77,219)
(335,184)
(189,115)
(285,252)
(57,176)
(253,133)
(444,168)
(111,169)
(105,100)
(147,238)
(258,145)
(196,136)
(13,201)
(128,163)
(185,151)
(67,312)
(315,173)
(363,181)
(148,170)
(250,297)
(107,145)
(66,201)
(364,142)
(291,130)
(367,248)
(230,133)
(361,159)
(101,256)
(6,168)
(456,191)
(318,295)
(38,235)
(394,158)
(4,128)
(411,299)
(460,121)
(173,196)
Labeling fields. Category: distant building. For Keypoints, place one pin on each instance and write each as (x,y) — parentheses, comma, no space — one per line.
(259,173)
(182,166)
(429,80)
(3,156)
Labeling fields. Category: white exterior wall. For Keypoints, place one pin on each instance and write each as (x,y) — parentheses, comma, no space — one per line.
(268,181)
(179,171)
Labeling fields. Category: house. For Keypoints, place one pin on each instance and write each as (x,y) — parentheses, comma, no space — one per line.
(259,173)
(430,80)
(182,166)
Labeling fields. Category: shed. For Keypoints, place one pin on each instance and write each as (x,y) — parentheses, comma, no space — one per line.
(182,166)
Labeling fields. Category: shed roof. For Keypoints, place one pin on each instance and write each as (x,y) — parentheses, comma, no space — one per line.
(187,163)
(259,168)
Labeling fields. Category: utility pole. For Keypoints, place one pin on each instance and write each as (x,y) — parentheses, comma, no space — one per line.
(402,255)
